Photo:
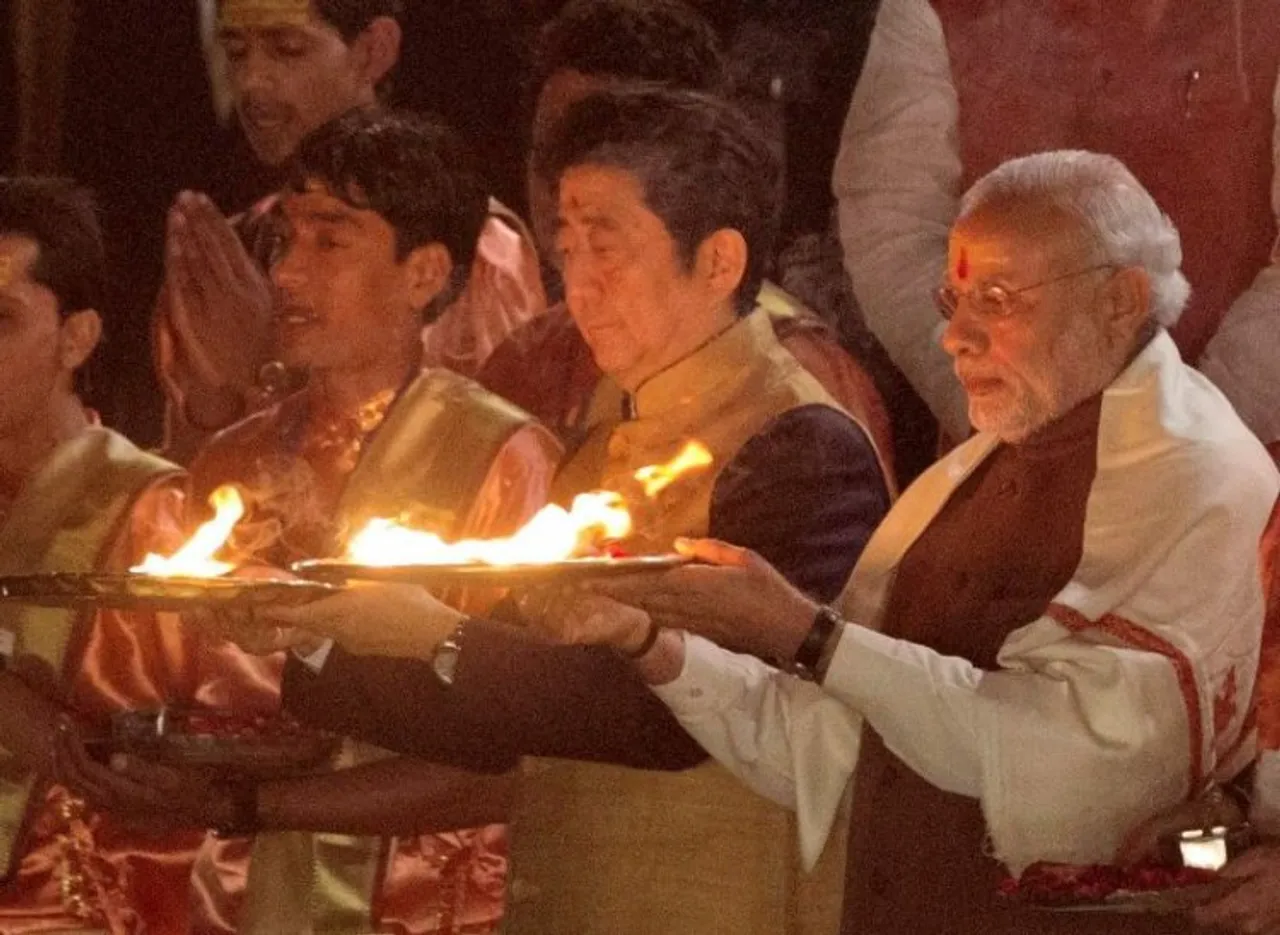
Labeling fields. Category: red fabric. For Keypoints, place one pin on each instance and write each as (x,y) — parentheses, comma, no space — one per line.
(297,468)
(1179,91)
(130,660)
(1131,634)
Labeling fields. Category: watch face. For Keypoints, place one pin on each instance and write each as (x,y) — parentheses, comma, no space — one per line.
(445,661)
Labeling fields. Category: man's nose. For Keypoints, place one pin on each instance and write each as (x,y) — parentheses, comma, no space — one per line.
(581,284)
(286,271)
(252,74)
(964,333)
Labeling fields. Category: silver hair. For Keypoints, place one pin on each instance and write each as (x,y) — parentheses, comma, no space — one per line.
(1116,212)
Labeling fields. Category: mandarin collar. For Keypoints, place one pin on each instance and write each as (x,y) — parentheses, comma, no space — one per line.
(1077,426)
(727,355)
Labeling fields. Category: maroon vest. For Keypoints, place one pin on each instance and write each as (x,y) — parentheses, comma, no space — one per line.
(1179,90)
(989,563)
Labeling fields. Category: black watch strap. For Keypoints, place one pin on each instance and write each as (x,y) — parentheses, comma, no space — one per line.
(805,663)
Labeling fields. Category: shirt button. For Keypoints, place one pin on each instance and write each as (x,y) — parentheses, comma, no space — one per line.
(1008,487)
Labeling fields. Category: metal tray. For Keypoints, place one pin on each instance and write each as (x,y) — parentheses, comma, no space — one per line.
(503,576)
(148,592)
(224,744)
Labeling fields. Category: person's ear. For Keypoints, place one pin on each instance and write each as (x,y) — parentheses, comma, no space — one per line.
(1126,306)
(722,261)
(379,46)
(78,337)
(429,269)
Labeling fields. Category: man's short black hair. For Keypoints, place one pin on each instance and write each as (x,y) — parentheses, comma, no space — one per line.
(413,172)
(62,219)
(352,17)
(701,162)
(662,41)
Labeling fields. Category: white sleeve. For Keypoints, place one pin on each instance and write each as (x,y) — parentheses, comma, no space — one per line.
(897,181)
(1067,746)
(785,738)
(315,659)
(1241,356)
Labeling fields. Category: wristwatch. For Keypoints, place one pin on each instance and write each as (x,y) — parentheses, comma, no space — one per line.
(444,661)
(806,662)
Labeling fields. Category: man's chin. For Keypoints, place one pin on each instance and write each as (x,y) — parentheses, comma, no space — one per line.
(616,362)
(272,151)
(1012,428)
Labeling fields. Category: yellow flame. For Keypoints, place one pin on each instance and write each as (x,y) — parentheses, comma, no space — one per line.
(552,535)
(658,477)
(195,558)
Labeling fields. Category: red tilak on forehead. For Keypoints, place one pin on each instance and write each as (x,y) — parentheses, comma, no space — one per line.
(962,265)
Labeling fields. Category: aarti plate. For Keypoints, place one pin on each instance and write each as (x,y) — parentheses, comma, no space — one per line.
(149,592)
(479,574)
(241,747)
(1175,899)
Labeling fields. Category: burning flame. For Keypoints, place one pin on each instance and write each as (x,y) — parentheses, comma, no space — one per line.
(554,534)
(195,558)
(658,477)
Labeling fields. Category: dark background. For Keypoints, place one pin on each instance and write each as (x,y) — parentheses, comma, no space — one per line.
(139,126)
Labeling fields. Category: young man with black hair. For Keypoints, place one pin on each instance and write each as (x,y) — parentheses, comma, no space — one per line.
(75,497)
(381,216)
(661,269)
(293,65)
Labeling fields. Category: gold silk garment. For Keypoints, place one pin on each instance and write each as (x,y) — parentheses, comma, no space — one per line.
(606,849)
(128,660)
(302,472)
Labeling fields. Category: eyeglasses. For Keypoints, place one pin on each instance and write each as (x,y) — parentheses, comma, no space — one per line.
(996,302)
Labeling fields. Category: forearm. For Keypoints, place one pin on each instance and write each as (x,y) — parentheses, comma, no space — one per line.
(512,696)
(785,738)
(663,663)
(897,181)
(390,797)
(922,703)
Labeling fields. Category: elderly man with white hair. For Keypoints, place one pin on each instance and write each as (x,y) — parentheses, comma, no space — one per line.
(1055,631)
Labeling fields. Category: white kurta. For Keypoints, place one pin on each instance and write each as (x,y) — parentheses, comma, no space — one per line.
(1128,692)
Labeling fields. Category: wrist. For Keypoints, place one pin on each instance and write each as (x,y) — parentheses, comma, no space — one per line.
(640,643)
(811,657)
(665,660)
(794,629)
(308,645)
